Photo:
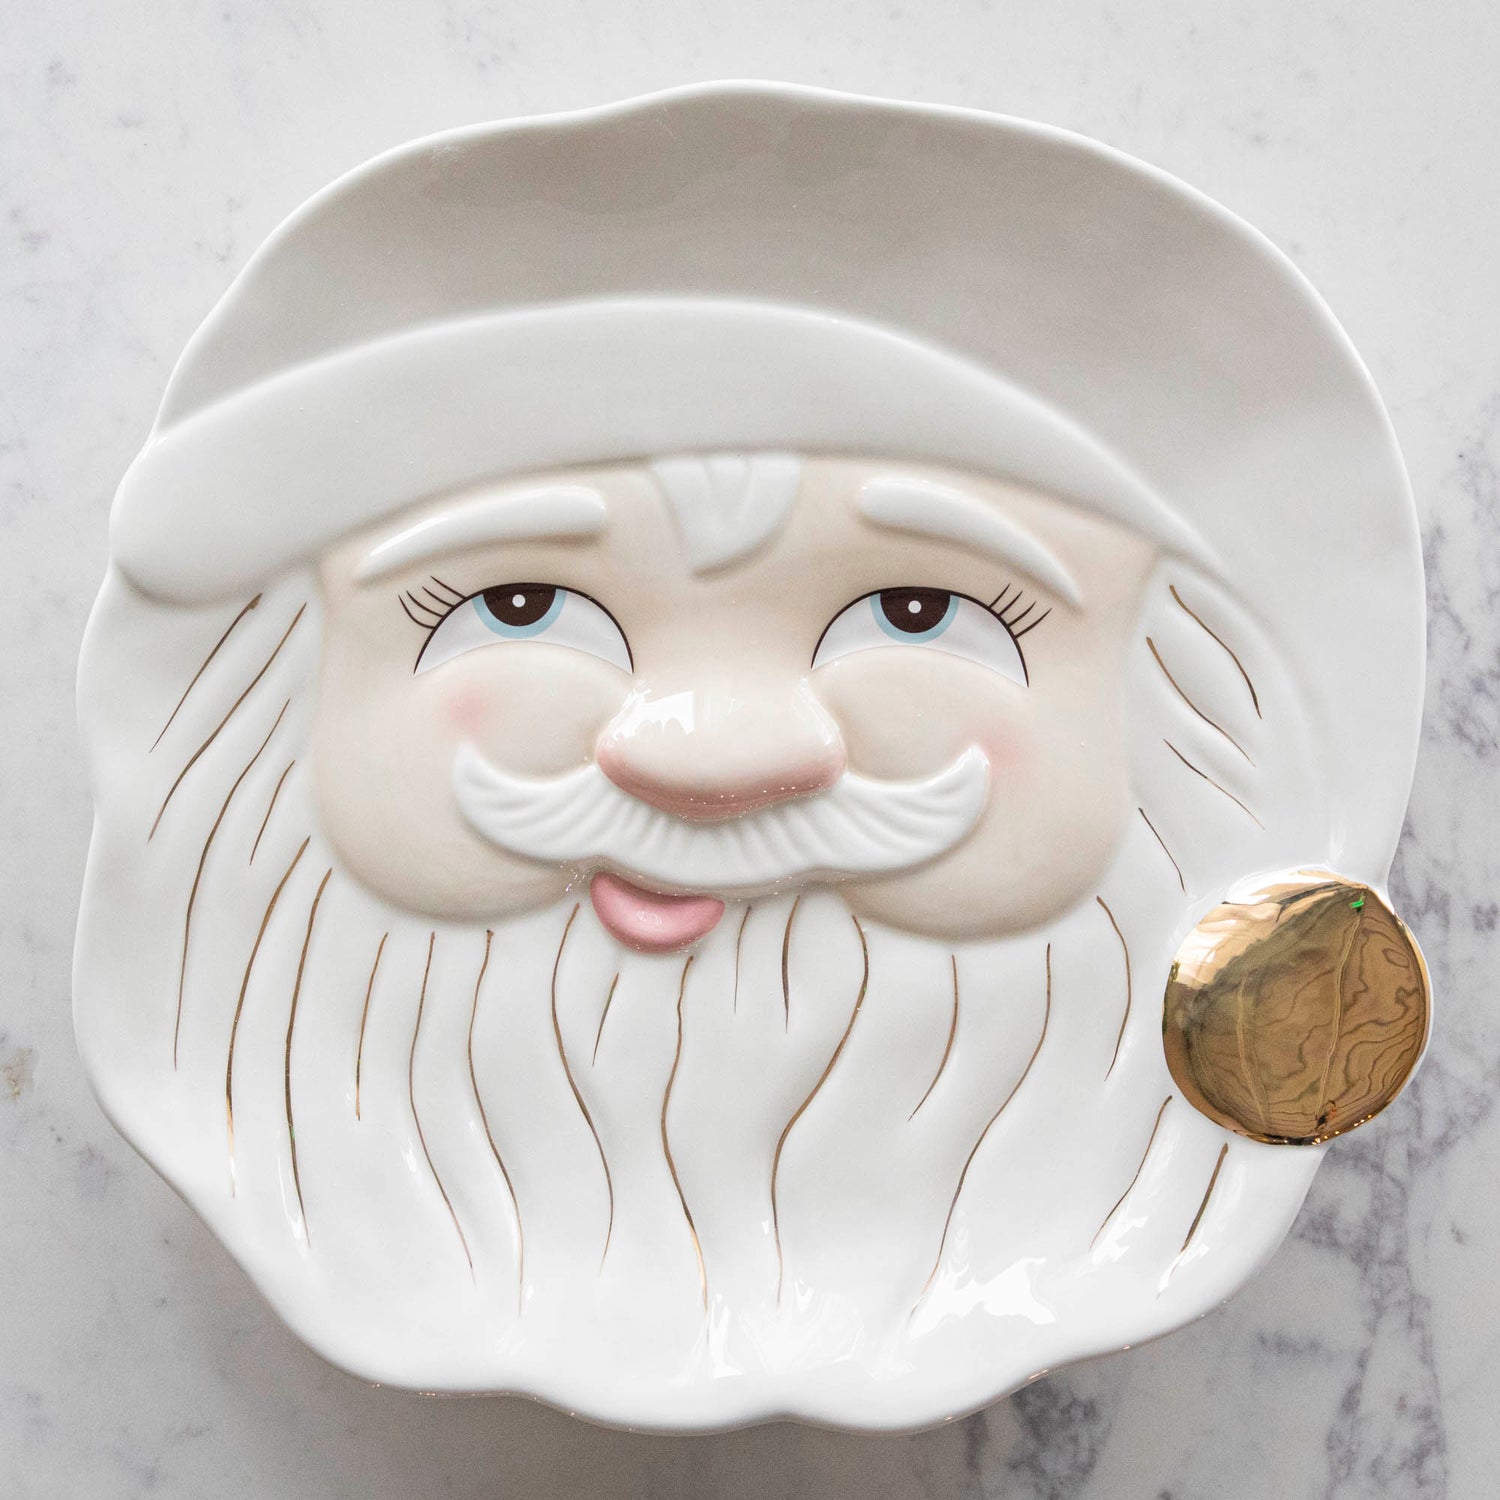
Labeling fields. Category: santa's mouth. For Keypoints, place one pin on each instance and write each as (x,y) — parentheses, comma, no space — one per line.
(648,921)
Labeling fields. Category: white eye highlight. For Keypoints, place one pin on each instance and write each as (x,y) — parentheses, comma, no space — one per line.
(932,618)
(527,612)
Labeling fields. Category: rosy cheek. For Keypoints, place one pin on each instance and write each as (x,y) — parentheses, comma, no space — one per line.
(1009,750)
(467,708)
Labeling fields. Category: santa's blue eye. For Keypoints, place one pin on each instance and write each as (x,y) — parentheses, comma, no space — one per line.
(935,618)
(912,616)
(520,612)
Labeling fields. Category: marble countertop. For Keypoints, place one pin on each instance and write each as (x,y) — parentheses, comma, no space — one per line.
(148,148)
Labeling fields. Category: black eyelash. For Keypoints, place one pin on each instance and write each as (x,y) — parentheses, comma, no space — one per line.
(416,607)
(1011,608)
(427,614)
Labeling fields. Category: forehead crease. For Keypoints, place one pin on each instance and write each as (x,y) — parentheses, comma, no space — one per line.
(544,513)
(923,508)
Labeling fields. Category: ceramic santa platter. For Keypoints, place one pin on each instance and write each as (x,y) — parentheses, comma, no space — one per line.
(745,749)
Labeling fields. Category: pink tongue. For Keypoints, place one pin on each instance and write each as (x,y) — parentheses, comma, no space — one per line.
(650,923)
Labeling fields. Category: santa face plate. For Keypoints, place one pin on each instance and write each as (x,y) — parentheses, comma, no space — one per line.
(645,812)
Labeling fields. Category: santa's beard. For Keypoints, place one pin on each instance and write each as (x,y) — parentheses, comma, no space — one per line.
(524,1153)
(664,1190)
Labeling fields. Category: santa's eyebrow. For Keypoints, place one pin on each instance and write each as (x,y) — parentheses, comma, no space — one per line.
(950,515)
(542,514)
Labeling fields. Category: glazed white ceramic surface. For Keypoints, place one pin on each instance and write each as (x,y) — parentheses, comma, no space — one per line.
(441,1179)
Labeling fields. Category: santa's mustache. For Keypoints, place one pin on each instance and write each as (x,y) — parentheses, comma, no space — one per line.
(858,826)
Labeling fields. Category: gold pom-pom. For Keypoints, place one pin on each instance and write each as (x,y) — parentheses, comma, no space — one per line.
(1298,1012)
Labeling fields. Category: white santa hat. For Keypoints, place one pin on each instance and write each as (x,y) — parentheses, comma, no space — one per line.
(227,496)
(760,266)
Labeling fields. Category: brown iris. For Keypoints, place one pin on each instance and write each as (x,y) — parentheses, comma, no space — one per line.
(915,611)
(519,604)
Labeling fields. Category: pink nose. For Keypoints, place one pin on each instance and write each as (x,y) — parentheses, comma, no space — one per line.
(718,746)
(707,798)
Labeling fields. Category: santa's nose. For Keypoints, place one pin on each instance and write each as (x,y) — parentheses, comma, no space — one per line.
(718,751)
